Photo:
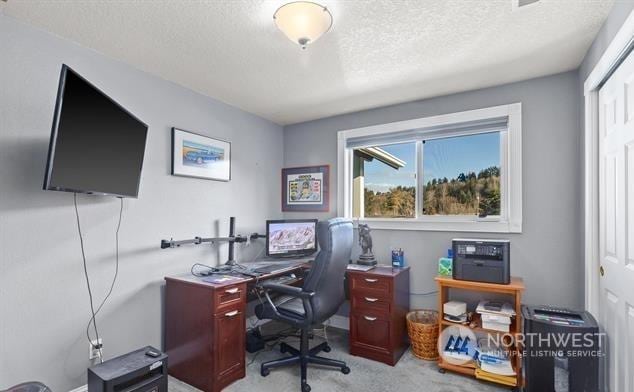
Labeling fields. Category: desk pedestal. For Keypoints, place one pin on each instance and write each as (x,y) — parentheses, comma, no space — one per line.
(379,302)
(205,332)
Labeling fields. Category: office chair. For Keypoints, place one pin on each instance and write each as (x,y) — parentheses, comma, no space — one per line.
(313,303)
(32,386)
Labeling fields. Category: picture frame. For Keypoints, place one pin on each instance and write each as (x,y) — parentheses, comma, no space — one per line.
(200,156)
(306,189)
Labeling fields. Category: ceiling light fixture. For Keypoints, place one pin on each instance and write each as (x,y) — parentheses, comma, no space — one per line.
(303,22)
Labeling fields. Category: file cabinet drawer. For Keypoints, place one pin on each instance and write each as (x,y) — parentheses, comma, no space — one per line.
(371,331)
(367,300)
(378,286)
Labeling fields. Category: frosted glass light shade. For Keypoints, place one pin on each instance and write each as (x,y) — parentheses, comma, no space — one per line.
(303,22)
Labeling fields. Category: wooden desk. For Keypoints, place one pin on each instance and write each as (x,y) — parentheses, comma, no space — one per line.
(205,328)
(205,323)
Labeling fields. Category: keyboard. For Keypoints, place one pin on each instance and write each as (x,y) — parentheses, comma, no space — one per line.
(273,268)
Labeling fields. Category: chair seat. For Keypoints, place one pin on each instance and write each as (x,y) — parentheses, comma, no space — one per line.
(286,305)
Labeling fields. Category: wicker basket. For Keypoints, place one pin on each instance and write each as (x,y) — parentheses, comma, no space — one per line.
(422,327)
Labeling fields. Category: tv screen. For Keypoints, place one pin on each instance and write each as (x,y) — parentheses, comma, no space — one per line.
(96,145)
(291,237)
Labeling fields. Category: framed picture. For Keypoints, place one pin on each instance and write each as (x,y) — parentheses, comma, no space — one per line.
(306,188)
(199,156)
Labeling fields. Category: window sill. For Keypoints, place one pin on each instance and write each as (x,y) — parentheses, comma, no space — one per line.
(478,226)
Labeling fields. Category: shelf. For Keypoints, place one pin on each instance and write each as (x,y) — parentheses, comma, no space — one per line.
(478,319)
(515,289)
(517,284)
(471,371)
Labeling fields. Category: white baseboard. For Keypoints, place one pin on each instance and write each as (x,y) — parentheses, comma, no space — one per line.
(83,388)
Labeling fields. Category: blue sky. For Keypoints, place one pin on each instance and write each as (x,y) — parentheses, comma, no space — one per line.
(442,158)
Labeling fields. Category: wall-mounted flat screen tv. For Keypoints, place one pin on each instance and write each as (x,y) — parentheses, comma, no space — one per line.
(96,145)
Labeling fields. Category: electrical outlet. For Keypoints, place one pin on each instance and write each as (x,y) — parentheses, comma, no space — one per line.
(92,351)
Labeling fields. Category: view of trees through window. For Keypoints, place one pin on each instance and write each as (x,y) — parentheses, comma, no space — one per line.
(388,192)
(461,176)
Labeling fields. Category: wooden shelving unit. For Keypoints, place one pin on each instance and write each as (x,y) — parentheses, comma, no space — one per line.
(514,289)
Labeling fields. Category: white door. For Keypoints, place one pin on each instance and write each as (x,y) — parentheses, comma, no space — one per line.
(616,220)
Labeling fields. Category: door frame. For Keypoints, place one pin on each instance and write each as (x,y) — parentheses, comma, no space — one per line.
(621,45)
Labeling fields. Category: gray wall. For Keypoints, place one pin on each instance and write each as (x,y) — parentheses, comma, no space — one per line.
(617,16)
(43,302)
(548,252)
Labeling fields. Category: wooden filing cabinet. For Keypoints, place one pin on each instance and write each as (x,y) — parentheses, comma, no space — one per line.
(379,302)
(205,332)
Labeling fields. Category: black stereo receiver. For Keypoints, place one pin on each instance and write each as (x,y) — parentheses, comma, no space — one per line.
(482,260)
(143,370)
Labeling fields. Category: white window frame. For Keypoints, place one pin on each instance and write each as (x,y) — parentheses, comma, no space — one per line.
(510,220)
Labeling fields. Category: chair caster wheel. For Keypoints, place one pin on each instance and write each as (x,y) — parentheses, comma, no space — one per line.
(265,372)
(305,388)
(327,349)
(345,370)
(441,371)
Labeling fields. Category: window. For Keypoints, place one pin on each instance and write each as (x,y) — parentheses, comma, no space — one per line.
(461,175)
(388,181)
(456,172)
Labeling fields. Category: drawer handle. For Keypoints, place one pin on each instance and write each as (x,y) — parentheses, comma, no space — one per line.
(369,318)
(371,280)
(231,314)
(371,299)
(232,291)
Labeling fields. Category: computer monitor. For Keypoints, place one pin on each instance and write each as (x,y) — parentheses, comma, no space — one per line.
(291,238)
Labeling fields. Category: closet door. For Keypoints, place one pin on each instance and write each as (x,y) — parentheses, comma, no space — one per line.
(616,224)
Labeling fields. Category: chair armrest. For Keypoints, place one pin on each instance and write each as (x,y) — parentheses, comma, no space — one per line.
(286,289)
(293,291)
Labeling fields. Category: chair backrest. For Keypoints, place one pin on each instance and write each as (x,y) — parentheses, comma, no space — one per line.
(328,271)
(32,386)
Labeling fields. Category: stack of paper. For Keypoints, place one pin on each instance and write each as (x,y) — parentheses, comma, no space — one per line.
(504,380)
(494,364)
(496,322)
(495,315)
(455,311)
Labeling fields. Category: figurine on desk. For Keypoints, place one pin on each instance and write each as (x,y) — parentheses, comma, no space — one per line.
(365,241)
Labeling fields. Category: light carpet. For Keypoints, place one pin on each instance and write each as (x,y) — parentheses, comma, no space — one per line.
(409,374)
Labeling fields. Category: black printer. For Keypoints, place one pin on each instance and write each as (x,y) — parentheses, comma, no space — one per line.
(482,260)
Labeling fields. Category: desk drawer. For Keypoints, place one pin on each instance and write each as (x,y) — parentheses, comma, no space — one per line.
(370,330)
(228,343)
(229,297)
(376,285)
(366,300)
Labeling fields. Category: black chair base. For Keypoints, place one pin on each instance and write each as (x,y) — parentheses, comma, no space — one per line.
(303,356)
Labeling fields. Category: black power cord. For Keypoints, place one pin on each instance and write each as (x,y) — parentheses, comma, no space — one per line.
(83,256)
(116,270)
(93,318)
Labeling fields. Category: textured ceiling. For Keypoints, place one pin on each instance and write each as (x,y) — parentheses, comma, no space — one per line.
(377,53)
